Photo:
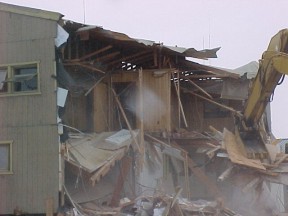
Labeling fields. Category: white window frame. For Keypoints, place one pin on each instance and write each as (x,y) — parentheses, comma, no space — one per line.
(10,80)
(10,170)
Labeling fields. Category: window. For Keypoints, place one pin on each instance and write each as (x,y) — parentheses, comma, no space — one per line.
(19,79)
(6,157)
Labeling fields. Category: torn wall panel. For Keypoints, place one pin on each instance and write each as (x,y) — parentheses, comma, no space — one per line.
(90,152)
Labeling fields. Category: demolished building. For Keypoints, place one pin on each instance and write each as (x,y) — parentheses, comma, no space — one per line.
(110,124)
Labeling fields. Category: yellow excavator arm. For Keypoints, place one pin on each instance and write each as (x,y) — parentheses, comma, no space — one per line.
(272,67)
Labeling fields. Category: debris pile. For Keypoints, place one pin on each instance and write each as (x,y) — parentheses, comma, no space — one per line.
(159,205)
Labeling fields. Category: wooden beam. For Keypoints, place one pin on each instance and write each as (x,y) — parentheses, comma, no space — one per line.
(129,57)
(203,76)
(141,110)
(90,67)
(123,172)
(95,53)
(98,81)
(142,58)
(186,176)
(178,89)
(199,88)
(214,102)
(107,57)
(126,120)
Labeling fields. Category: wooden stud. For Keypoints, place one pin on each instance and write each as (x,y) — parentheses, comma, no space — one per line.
(123,172)
(141,111)
(179,102)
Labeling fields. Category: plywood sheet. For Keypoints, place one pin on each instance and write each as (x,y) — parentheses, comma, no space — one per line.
(92,151)
(235,152)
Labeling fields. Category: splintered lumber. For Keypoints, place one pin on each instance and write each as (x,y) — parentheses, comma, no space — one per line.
(124,170)
(106,167)
(193,167)
(236,154)
(126,120)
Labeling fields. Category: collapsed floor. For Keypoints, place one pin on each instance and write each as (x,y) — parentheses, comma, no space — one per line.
(107,183)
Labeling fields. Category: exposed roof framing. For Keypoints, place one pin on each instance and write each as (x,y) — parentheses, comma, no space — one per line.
(95,48)
(95,53)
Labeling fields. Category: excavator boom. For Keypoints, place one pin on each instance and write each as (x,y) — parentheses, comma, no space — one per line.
(273,66)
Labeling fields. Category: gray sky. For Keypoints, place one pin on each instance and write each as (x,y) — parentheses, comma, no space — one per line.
(242,28)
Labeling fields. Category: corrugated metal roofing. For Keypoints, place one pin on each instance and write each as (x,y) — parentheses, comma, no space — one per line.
(187,52)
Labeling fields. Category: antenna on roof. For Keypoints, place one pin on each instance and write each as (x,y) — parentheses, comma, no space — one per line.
(84,12)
